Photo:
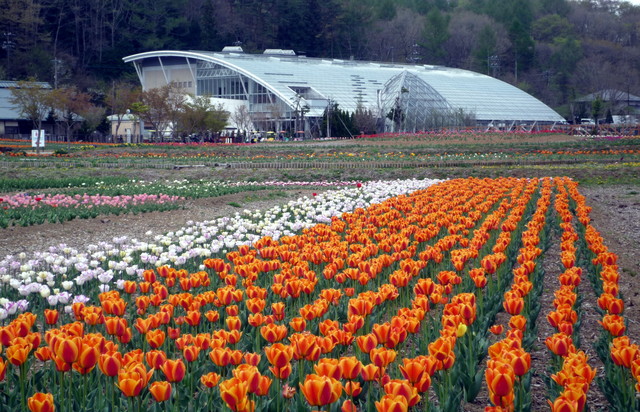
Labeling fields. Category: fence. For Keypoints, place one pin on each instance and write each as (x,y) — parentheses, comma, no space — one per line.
(37,163)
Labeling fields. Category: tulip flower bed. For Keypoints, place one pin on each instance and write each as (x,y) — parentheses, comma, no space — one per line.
(26,210)
(383,305)
(117,196)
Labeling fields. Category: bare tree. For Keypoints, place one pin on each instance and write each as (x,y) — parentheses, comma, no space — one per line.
(396,40)
(33,101)
(92,116)
(67,104)
(364,119)
(242,118)
(119,99)
(463,40)
(160,107)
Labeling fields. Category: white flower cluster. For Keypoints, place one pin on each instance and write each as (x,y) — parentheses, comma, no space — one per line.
(63,275)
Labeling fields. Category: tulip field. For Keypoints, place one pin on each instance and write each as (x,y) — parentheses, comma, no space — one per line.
(413,295)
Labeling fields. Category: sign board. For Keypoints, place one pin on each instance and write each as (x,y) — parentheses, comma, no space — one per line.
(34,138)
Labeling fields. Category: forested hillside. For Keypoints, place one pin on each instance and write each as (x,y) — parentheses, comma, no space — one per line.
(554,49)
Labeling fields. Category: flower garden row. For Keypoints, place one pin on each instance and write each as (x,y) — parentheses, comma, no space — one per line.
(116,196)
(383,305)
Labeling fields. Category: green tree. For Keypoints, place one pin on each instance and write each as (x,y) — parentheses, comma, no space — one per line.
(33,101)
(596,109)
(523,47)
(21,34)
(549,27)
(199,116)
(566,55)
(435,34)
(485,49)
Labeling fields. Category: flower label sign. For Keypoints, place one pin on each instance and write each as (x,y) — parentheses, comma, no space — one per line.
(34,138)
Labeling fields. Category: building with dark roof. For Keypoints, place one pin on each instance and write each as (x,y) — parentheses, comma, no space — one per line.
(12,123)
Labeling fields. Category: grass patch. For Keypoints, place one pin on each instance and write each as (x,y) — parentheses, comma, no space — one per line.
(234,204)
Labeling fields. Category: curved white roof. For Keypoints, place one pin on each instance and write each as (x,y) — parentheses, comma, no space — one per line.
(348,81)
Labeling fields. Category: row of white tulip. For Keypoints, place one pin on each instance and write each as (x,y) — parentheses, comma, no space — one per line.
(63,275)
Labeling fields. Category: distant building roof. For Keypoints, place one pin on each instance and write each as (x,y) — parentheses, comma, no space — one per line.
(7,110)
(609,95)
(6,84)
(352,83)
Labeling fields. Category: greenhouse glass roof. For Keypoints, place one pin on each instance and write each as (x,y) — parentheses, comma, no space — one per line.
(348,82)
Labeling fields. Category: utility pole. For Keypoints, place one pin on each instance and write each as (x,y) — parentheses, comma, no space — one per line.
(329,119)
(56,63)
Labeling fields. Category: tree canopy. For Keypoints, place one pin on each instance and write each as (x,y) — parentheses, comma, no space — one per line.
(554,49)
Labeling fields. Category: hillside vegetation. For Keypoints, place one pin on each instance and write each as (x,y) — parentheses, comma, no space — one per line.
(555,49)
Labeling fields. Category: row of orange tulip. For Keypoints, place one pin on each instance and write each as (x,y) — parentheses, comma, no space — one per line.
(624,354)
(575,375)
(357,268)
(509,362)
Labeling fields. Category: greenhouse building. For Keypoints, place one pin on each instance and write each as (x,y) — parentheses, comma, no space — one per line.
(282,91)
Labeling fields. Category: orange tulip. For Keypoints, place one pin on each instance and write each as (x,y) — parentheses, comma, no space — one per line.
(210,380)
(298,324)
(352,388)
(350,367)
(500,379)
(17,354)
(115,325)
(513,303)
(370,372)
(174,370)
(155,358)
(273,333)
(155,338)
(518,322)
(614,324)
(392,403)
(191,353)
(131,383)
(110,363)
(624,355)
(367,342)
(278,354)
(87,359)
(263,386)
(220,356)
(234,393)
(402,388)
(348,406)
(321,390)
(277,309)
(305,346)
(3,369)
(562,404)
(328,367)
(412,369)
(442,350)
(281,372)
(519,360)
(382,357)
(250,375)
(41,402)
(560,344)
(51,316)
(161,390)
(496,329)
